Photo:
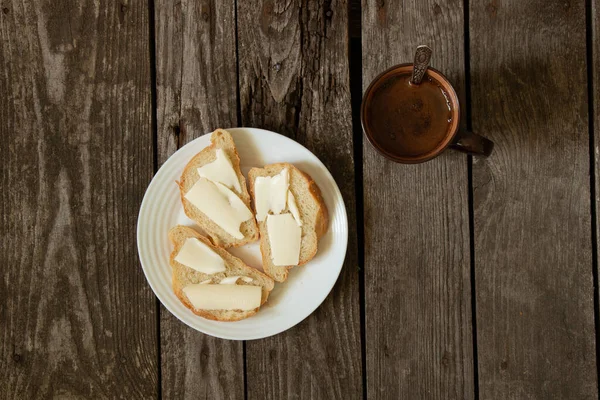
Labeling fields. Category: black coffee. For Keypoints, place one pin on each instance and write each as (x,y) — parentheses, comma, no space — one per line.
(409,120)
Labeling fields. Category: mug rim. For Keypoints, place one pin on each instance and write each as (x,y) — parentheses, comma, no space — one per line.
(426,156)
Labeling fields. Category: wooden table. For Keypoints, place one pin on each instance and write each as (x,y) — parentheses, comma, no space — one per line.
(464,278)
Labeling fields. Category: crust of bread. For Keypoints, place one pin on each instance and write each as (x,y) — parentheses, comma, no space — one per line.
(177,235)
(320,224)
(220,138)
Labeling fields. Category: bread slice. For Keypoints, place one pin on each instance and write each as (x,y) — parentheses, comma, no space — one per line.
(183,276)
(220,139)
(313,214)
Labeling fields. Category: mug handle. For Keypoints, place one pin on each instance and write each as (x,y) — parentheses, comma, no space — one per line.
(472,143)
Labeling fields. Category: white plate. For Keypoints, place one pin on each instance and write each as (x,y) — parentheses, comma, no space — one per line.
(290,302)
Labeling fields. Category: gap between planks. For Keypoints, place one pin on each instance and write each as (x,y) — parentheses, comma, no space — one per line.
(154,127)
(467,52)
(589,43)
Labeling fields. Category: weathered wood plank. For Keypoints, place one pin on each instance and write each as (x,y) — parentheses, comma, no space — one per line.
(294,80)
(196,93)
(535,316)
(417,282)
(594,98)
(78,318)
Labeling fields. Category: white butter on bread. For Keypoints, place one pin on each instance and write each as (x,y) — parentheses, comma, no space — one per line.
(311,209)
(232,280)
(199,256)
(284,238)
(221,170)
(219,204)
(294,207)
(223,297)
(234,201)
(183,277)
(270,194)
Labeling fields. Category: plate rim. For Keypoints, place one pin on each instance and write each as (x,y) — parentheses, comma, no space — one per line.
(344,214)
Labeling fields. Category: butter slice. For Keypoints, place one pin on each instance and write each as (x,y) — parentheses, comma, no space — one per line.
(219,204)
(232,280)
(224,297)
(235,202)
(284,238)
(221,170)
(270,194)
(291,200)
(197,255)
(262,193)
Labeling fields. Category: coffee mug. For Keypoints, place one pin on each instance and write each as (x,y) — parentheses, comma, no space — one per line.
(410,123)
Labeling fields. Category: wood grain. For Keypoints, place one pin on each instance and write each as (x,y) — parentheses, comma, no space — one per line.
(196,93)
(417,268)
(294,80)
(594,120)
(535,314)
(78,318)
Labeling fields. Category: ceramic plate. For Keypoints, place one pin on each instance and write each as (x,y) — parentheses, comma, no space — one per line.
(290,302)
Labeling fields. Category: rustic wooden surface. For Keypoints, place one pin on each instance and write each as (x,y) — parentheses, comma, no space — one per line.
(417,283)
(593,64)
(196,79)
(463,279)
(533,245)
(294,79)
(77,318)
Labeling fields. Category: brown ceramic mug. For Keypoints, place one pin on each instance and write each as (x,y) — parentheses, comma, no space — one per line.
(410,123)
